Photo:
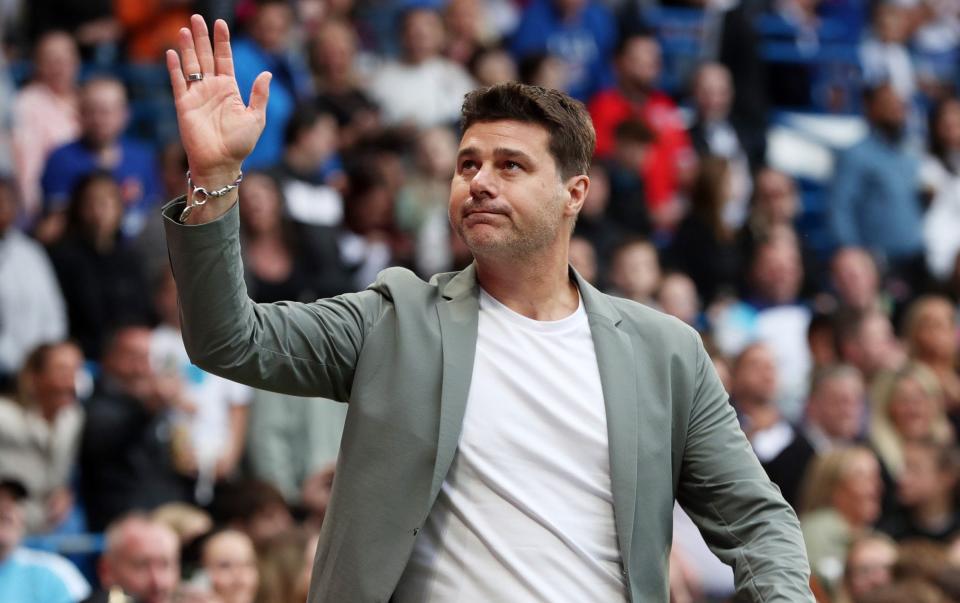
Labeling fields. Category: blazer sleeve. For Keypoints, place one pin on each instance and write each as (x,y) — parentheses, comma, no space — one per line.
(302,349)
(740,512)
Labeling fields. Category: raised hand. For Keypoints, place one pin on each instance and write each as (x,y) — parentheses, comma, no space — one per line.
(217,130)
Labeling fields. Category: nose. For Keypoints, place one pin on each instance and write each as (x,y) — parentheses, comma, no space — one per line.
(484,183)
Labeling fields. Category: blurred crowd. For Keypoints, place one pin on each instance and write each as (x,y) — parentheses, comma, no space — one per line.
(841,352)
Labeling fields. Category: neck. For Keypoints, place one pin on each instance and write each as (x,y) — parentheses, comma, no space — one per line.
(636,93)
(541,290)
(762,415)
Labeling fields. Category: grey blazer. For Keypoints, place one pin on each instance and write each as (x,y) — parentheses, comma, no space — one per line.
(401,353)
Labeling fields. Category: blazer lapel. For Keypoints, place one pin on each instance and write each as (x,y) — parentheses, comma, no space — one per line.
(459,314)
(618,377)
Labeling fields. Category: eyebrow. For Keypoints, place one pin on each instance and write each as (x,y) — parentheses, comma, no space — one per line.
(503,152)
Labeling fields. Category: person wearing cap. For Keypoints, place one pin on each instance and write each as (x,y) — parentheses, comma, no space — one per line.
(22,579)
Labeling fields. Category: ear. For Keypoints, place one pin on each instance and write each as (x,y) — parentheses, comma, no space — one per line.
(577,188)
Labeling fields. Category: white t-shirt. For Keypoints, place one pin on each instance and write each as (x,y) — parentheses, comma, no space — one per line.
(526,511)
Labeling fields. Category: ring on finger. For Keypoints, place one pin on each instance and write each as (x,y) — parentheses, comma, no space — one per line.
(194,77)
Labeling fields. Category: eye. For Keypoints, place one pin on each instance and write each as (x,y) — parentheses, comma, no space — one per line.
(511,166)
(468,165)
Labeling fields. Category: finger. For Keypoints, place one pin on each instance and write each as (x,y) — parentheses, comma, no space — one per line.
(260,93)
(222,55)
(176,75)
(201,41)
(188,55)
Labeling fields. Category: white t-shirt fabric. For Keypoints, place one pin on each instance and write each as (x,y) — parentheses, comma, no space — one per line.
(526,511)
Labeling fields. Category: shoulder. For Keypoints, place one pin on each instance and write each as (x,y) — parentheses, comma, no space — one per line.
(67,152)
(397,283)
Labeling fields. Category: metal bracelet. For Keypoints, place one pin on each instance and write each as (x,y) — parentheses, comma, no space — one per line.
(199,195)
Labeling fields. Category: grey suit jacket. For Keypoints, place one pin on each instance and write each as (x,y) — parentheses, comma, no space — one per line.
(401,353)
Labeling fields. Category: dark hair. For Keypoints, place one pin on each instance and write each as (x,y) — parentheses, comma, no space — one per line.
(572,137)
(303,118)
(707,196)
(75,225)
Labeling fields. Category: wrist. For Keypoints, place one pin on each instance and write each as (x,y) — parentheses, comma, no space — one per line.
(215,177)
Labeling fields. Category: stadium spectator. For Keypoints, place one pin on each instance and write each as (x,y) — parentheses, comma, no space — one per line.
(266,47)
(141,559)
(422,88)
(291,439)
(31,305)
(869,566)
(492,65)
(101,275)
(874,201)
(126,449)
(677,296)
(151,26)
(211,433)
(229,561)
(940,175)
(284,260)
(704,245)
(46,114)
(311,173)
(775,205)
(421,209)
(93,24)
(884,52)
(925,490)
(856,281)
(713,133)
(339,87)
(581,33)
(793,84)
(595,224)
(840,500)
(753,394)
(670,164)
(911,410)
(833,419)
(468,29)
(40,434)
(635,271)
(20,578)
(253,507)
(773,311)
(104,114)
(628,206)
(866,340)
(931,335)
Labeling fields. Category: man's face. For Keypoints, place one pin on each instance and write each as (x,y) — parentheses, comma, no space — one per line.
(855,278)
(838,406)
(55,384)
(776,196)
(887,110)
(128,361)
(271,26)
(713,92)
(639,63)
(507,197)
(423,35)
(103,112)
(146,564)
(858,493)
(11,523)
(57,60)
(870,566)
(755,374)
(778,272)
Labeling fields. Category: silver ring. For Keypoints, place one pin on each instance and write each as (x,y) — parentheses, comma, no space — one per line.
(194,77)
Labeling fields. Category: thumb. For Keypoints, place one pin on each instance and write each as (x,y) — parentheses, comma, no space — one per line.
(260,92)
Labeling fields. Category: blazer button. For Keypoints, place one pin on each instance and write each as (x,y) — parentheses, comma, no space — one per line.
(416,531)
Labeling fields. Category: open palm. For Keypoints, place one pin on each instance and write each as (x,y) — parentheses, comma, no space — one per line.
(216,129)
